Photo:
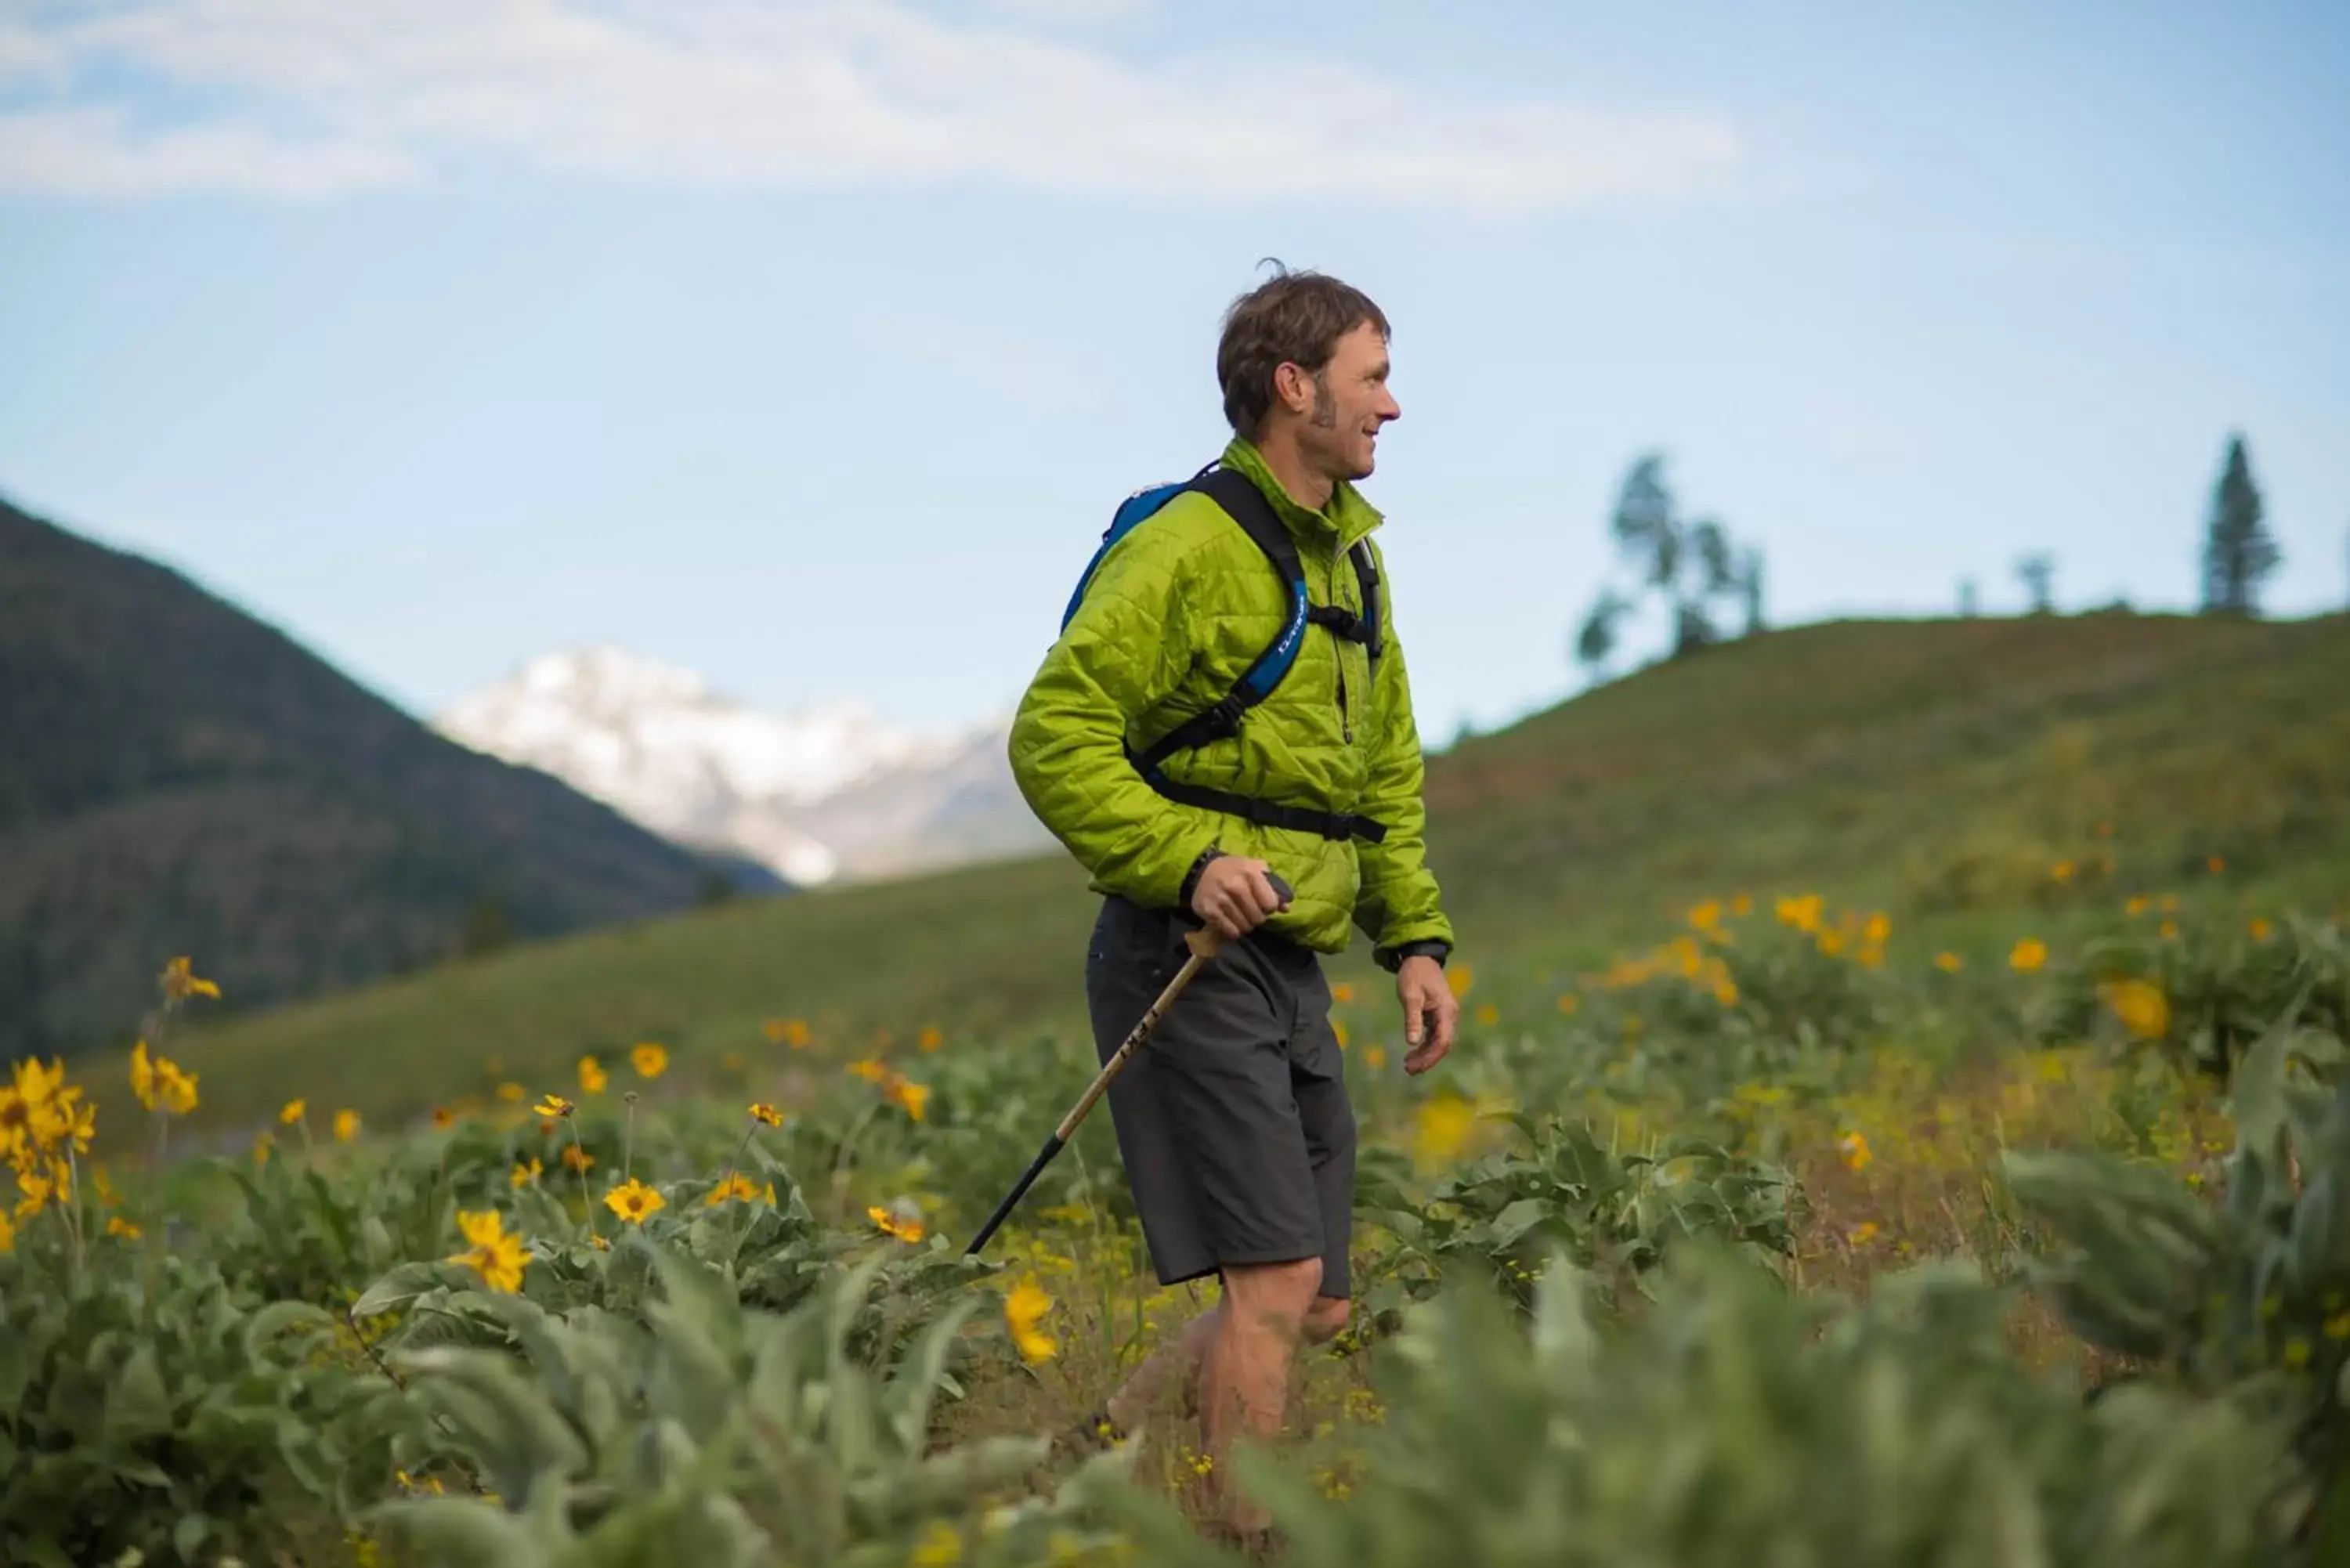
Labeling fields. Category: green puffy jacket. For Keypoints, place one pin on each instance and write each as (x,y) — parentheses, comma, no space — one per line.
(1178,609)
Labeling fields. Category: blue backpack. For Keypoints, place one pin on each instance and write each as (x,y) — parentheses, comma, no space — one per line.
(1246,505)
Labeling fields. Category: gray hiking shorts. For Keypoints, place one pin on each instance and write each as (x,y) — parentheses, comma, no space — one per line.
(1232,1120)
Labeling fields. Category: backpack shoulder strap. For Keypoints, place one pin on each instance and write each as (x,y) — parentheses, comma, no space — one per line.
(1246,505)
(1240,500)
(1367,576)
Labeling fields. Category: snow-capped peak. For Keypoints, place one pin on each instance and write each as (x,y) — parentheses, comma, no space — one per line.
(654,742)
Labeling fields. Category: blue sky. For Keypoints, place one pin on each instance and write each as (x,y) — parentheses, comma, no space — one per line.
(809,346)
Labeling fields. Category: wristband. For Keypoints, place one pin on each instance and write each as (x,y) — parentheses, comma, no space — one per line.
(1192,878)
(1391,959)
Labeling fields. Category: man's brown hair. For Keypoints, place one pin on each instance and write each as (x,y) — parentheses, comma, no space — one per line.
(1293,318)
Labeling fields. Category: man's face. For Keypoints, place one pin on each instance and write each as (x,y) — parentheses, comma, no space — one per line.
(1351,401)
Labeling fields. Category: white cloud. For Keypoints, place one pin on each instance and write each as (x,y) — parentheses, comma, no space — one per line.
(300,97)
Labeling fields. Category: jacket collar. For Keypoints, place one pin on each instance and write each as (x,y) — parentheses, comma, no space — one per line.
(1347,518)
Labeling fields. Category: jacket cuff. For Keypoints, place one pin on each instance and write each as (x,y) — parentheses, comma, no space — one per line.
(1391,959)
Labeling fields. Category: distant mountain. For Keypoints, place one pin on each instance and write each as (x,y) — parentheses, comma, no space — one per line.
(818,794)
(178,777)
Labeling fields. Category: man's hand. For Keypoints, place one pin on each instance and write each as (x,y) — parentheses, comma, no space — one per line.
(1234,896)
(1431,1013)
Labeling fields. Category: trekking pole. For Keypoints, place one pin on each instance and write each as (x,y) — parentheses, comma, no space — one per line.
(1204,945)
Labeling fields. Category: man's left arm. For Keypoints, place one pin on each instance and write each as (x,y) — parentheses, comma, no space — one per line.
(1400,908)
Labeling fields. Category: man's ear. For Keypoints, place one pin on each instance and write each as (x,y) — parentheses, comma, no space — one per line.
(1293,388)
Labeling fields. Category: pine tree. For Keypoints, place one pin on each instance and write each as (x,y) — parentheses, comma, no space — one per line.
(1692,562)
(2239,552)
(2038,574)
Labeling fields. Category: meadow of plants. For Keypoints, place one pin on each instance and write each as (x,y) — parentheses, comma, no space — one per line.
(1789,1240)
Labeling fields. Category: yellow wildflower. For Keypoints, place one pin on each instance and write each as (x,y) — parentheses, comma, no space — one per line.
(1802,913)
(178,1089)
(2167,930)
(766,1115)
(796,1033)
(526,1171)
(634,1201)
(593,1079)
(2217,864)
(929,1039)
(906,1230)
(512,1094)
(1338,1032)
(262,1144)
(939,1547)
(1376,1057)
(443,1118)
(649,1060)
(179,983)
(2141,1006)
(869,1069)
(115,1225)
(142,1075)
(1948,962)
(35,1189)
(1342,992)
(734,1186)
(1706,916)
(7,1232)
(1855,1149)
(499,1258)
(2261,931)
(347,1125)
(1879,929)
(1024,1309)
(552,1106)
(292,1112)
(909,1095)
(2028,955)
(1459,978)
(578,1159)
(2137,906)
(2061,873)
(1862,1234)
(1568,1004)
(1441,1128)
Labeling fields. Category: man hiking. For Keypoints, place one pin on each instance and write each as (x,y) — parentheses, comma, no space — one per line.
(1148,745)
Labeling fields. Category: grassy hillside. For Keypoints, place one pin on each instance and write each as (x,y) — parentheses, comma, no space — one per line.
(176,776)
(1938,770)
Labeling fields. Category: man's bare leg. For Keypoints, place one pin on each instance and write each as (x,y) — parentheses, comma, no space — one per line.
(1178,1361)
(1244,1374)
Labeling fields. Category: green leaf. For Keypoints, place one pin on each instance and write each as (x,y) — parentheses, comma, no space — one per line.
(136,1404)
(398,1289)
(263,1329)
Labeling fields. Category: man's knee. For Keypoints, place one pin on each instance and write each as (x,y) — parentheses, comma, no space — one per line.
(1277,1295)
(1324,1318)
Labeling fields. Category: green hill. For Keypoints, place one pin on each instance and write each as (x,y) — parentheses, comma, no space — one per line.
(178,777)
(1935,769)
